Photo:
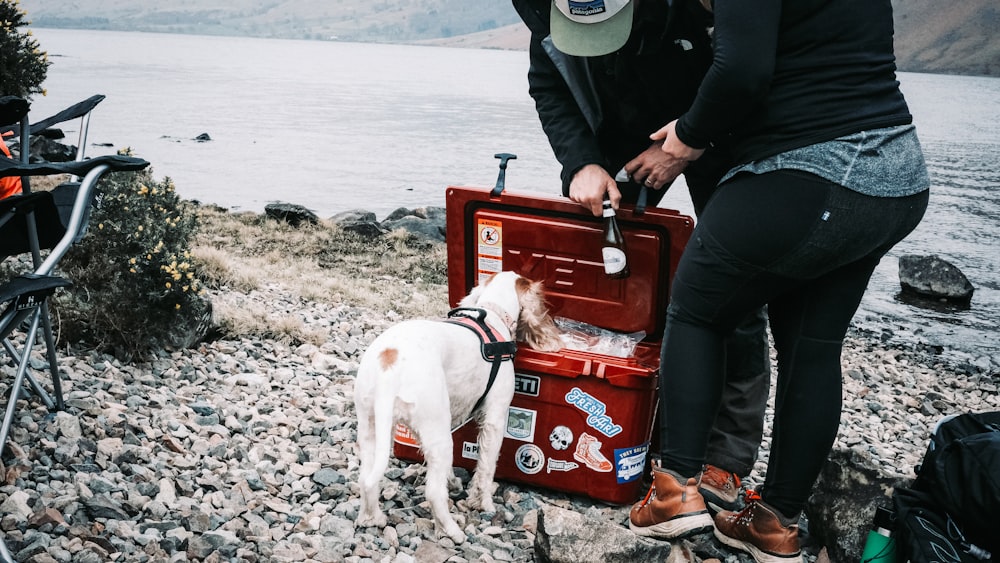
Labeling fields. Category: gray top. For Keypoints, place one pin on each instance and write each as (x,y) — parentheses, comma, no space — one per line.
(885,162)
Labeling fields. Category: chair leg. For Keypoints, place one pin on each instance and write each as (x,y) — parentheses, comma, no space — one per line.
(50,347)
(15,386)
(35,385)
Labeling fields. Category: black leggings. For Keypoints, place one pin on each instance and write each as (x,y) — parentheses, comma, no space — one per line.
(806,248)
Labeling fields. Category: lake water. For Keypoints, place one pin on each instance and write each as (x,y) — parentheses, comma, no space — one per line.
(337,126)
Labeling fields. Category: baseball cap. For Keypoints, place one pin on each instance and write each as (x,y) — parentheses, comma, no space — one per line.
(590,28)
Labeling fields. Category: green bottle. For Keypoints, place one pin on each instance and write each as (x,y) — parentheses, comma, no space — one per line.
(880,547)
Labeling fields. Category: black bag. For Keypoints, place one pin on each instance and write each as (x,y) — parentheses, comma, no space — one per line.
(924,533)
(950,513)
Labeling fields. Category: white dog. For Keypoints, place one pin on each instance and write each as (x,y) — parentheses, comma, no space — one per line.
(430,375)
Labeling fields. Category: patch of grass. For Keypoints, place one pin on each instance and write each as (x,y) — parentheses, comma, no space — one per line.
(242,252)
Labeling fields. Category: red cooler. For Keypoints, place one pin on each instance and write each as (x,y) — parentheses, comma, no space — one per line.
(580,422)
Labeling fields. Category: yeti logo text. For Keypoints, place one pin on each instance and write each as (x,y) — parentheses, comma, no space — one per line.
(589,404)
(527,384)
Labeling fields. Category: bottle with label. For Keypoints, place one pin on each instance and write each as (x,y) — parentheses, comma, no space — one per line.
(613,248)
(880,547)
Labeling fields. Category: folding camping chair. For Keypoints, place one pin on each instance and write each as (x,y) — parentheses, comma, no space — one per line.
(30,223)
(15,239)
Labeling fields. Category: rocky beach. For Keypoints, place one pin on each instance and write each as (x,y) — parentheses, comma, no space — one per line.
(241,448)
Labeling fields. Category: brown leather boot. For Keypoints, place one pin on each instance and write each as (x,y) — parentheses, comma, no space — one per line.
(757,530)
(673,508)
(720,489)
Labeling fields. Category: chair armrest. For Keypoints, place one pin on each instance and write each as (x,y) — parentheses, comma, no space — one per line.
(13,109)
(118,163)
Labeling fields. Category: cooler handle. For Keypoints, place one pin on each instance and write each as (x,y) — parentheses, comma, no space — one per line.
(504,157)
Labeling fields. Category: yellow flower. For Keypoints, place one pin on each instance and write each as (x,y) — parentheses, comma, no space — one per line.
(168,285)
(177,306)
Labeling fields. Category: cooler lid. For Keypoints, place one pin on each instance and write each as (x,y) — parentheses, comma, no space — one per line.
(556,241)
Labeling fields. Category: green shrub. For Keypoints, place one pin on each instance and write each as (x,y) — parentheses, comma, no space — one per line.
(136,289)
(23,66)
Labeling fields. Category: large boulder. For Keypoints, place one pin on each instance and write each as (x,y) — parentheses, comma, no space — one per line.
(360,222)
(842,507)
(934,277)
(426,222)
(290,213)
(568,536)
(424,228)
(352,215)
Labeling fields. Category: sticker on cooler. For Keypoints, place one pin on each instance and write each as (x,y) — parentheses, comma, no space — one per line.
(521,424)
(561,438)
(560,465)
(527,384)
(599,419)
(529,459)
(470,450)
(629,463)
(588,452)
(403,435)
(489,248)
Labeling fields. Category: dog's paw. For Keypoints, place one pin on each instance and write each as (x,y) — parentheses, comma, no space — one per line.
(455,533)
(478,501)
(377,520)
(481,498)
(486,505)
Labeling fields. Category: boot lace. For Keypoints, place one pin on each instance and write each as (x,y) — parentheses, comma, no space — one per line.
(745,516)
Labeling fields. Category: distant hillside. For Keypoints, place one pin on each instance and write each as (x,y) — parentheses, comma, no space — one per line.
(958,39)
(345,20)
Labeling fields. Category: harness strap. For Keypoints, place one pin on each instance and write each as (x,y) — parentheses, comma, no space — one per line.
(493,349)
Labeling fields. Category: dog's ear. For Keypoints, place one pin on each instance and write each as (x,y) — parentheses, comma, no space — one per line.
(534,324)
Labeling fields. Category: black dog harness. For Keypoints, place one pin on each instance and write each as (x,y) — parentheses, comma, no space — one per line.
(493,348)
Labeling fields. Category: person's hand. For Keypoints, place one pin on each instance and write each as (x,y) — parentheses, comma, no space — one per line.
(654,168)
(672,146)
(589,185)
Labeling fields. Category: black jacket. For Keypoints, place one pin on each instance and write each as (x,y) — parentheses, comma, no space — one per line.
(601,110)
(791,74)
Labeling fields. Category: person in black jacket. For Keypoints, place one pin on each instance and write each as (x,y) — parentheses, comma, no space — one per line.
(829,175)
(598,104)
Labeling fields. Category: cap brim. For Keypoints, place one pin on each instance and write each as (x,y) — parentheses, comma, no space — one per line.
(590,39)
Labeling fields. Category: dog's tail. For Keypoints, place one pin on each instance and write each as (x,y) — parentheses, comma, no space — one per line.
(382,420)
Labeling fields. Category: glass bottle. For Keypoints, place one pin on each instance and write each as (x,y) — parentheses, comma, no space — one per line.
(613,247)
